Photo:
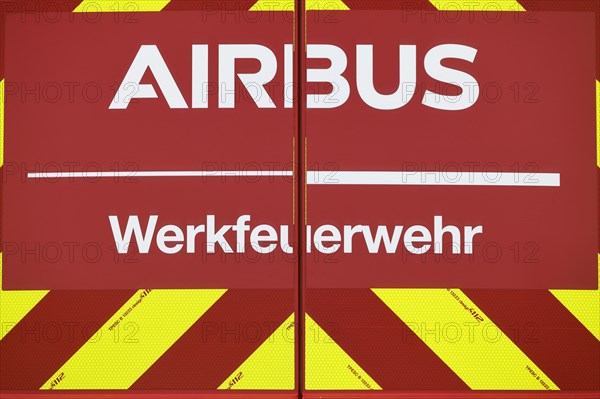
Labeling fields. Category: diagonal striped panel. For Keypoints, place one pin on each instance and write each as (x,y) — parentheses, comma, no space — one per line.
(584,304)
(445,321)
(226,335)
(52,332)
(383,345)
(547,333)
(121,5)
(134,338)
(328,366)
(478,5)
(271,366)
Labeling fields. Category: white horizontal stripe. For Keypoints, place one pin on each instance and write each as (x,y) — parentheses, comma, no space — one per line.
(434,178)
(346,177)
(179,173)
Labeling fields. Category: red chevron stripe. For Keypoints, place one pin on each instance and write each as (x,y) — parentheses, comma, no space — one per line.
(228,333)
(52,332)
(378,340)
(548,333)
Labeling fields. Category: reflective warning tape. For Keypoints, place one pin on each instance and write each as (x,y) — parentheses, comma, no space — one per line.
(481,5)
(14,304)
(465,339)
(57,327)
(583,304)
(330,366)
(229,333)
(121,5)
(133,339)
(269,366)
(546,332)
(377,340)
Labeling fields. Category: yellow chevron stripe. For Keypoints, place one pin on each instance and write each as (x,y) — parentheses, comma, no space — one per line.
(477,5)
(273,5)
(328,366)
(117,356)
(121,5)
(288,5)
(334,5)
(471,348)
(14,305)
(271,366)
(598,123)
(583,304)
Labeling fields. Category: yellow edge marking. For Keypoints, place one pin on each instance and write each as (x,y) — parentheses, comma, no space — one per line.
(583,304)
(121,5)
(271,366)
(598,123)
(133,339)
(14,305)
(288,5)
(474,348)
(328,366)
(477,5)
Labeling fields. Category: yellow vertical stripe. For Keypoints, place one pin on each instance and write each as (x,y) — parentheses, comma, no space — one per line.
(271,366)
(328,366)
(584,305)
(133,339)
(121,5)
(288,5)
(477,5)
(475,349)
(598,123)
(14,305)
